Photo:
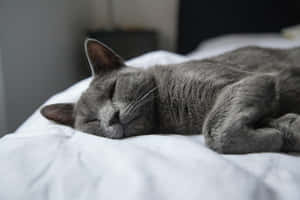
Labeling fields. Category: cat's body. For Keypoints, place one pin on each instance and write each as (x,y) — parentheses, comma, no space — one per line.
(242,100)
(187,91)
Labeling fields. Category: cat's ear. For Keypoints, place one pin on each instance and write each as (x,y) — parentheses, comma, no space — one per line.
(61,113)
(101,58)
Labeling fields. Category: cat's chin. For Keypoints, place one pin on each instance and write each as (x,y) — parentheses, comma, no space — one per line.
(115,131)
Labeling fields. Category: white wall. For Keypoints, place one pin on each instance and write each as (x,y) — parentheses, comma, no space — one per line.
(160,15)
(41,45)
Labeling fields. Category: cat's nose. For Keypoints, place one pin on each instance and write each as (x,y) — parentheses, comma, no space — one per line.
(115,118)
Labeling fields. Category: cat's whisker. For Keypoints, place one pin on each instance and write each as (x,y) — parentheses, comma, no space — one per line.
(140,101)
(140,98)
(132,104)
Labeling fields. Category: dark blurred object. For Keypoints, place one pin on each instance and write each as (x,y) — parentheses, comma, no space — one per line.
(127,44)
(200,20)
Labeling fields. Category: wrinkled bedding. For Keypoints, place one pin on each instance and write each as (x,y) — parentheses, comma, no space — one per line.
(43,160)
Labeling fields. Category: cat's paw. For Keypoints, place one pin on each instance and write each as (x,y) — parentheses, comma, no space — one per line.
(289,125)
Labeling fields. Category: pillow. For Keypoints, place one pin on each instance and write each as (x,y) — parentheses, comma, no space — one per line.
(219,45)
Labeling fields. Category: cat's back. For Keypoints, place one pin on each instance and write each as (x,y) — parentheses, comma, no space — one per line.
(260,59)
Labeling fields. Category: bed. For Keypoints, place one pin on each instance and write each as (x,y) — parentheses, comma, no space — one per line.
(44,160)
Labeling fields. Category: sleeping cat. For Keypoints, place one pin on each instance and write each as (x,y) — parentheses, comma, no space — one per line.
(243,101)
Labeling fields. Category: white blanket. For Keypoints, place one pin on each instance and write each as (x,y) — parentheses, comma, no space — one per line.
(43,160)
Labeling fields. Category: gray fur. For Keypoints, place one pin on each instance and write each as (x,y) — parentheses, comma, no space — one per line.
(243,101)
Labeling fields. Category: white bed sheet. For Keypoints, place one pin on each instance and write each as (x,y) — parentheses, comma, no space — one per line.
(43,160)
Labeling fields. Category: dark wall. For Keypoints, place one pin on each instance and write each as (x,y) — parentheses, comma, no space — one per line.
(199,20)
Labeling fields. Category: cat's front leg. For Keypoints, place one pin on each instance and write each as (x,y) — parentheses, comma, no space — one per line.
(289,126)
(232,126)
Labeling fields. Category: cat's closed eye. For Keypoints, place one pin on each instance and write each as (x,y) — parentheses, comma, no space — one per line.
(112,89)
(92,120)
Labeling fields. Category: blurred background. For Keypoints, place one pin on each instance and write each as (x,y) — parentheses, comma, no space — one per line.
(41,42)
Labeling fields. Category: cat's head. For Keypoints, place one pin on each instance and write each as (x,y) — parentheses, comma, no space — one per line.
(119,102)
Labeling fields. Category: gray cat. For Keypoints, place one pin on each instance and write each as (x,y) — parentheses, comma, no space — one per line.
(243,101)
